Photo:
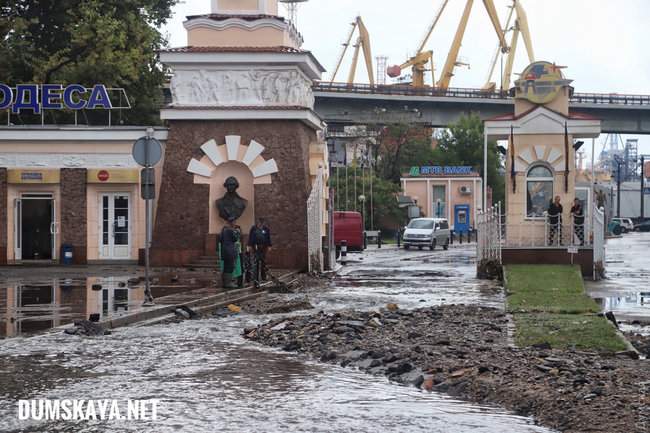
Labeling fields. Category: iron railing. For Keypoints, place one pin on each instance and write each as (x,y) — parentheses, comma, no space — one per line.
(407,90)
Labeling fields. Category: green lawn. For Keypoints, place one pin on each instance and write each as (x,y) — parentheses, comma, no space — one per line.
(567,331)
(549,305)
(547,288)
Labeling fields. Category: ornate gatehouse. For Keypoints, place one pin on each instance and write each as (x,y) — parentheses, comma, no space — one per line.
(545,217)
(242,107)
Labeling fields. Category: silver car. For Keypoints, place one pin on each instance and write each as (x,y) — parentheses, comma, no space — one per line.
(427,232)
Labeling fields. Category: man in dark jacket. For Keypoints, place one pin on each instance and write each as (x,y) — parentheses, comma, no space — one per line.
(578,215)
(259,243)
(555,221)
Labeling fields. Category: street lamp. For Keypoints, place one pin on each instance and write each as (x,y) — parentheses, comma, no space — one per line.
(362,200)
(618,161)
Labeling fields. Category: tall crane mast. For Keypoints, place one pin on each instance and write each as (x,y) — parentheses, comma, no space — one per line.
(362,43)
(452,57)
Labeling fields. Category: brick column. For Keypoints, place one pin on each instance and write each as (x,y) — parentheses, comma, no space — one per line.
(74,218)
(4,208)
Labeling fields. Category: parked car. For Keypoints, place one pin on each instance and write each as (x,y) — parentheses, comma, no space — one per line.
(348,226)
(426,232)
(644,226)
(626,224)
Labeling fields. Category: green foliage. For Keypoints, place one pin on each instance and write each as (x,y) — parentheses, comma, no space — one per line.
(112,42)
(384,194)
(462,144)
(400,147)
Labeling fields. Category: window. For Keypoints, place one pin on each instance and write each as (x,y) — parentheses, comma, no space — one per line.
(439,201)
(421,224)
(539,190)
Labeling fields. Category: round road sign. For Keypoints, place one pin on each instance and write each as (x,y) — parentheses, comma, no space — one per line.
(103,176)
(147,151)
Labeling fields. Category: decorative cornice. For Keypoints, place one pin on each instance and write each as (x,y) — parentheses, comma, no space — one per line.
(239,22)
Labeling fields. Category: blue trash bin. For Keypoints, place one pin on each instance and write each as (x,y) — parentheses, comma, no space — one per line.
(67,254)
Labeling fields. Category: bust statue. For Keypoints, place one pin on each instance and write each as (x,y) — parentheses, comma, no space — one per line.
(231,206)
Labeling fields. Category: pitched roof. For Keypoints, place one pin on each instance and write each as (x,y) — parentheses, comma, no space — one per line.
(572,115)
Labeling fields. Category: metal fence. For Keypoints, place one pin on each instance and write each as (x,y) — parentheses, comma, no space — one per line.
(408,90)
(315,223)
(489,239)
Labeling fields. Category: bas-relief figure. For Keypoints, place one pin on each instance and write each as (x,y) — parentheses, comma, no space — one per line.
(241,87)
(231,206)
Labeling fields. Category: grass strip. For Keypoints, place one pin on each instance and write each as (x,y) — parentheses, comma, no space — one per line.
(549,305)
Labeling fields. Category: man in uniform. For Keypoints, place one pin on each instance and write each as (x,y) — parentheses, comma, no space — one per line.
(259,243)
(229,248)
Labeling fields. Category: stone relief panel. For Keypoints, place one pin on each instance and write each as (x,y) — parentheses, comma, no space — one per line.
(241,88)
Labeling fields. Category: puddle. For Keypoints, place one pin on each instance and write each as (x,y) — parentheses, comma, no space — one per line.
(626,290)
(30,306)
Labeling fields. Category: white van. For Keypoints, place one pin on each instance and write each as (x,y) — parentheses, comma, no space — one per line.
(427,232)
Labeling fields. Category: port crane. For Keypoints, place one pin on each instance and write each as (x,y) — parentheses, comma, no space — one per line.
(520,28)
(422,58)
(362,43)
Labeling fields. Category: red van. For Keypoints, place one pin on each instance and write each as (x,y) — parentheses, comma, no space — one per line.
(348,226)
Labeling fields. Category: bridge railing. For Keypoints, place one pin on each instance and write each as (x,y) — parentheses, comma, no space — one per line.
(407,90)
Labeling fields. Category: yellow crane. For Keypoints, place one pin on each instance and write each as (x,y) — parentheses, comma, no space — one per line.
(422,59)
(520,27)
(452,58)
(362,43)
(418,63)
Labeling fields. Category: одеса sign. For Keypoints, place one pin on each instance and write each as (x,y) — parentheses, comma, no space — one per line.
(37,97)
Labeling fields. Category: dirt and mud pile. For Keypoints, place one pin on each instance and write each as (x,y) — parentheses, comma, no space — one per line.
(463,351)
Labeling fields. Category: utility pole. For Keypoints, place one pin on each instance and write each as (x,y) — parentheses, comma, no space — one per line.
(618,185)
(642,187)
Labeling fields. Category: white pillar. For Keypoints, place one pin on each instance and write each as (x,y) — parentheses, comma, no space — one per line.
(485,167)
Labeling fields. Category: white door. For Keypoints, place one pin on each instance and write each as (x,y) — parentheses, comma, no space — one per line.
(115,226)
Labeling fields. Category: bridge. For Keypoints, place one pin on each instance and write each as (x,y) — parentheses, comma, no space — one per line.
(350,104)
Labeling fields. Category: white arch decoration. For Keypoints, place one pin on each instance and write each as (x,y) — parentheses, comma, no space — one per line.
(544,153)
(233,150)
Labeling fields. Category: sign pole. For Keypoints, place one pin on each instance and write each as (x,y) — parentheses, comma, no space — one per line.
(147,151)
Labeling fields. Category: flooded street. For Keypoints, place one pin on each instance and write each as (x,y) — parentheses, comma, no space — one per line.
(626,290)
(210,379)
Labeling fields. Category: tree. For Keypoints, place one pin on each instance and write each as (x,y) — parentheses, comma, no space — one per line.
(462,144)
(111,42)
(384,195)
(400,147)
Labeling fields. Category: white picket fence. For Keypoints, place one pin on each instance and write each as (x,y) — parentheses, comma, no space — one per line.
(315,223)
(599,243)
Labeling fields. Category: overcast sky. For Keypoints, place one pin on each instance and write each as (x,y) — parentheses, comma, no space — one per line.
(603,43)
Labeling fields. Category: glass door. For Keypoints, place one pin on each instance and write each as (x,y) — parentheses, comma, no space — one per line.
(115,233)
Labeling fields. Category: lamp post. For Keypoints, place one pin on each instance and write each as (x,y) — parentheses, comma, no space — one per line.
(362,200)
(618,161)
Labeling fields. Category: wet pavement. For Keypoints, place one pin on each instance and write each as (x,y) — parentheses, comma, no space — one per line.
(210,379)
(626,290)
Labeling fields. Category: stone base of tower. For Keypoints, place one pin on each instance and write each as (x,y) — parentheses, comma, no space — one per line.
(182,230)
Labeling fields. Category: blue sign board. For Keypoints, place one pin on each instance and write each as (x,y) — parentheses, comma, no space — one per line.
(440,170)
(37,97)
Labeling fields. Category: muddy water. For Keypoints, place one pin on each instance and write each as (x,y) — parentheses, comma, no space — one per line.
(210,379)
(626,290)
